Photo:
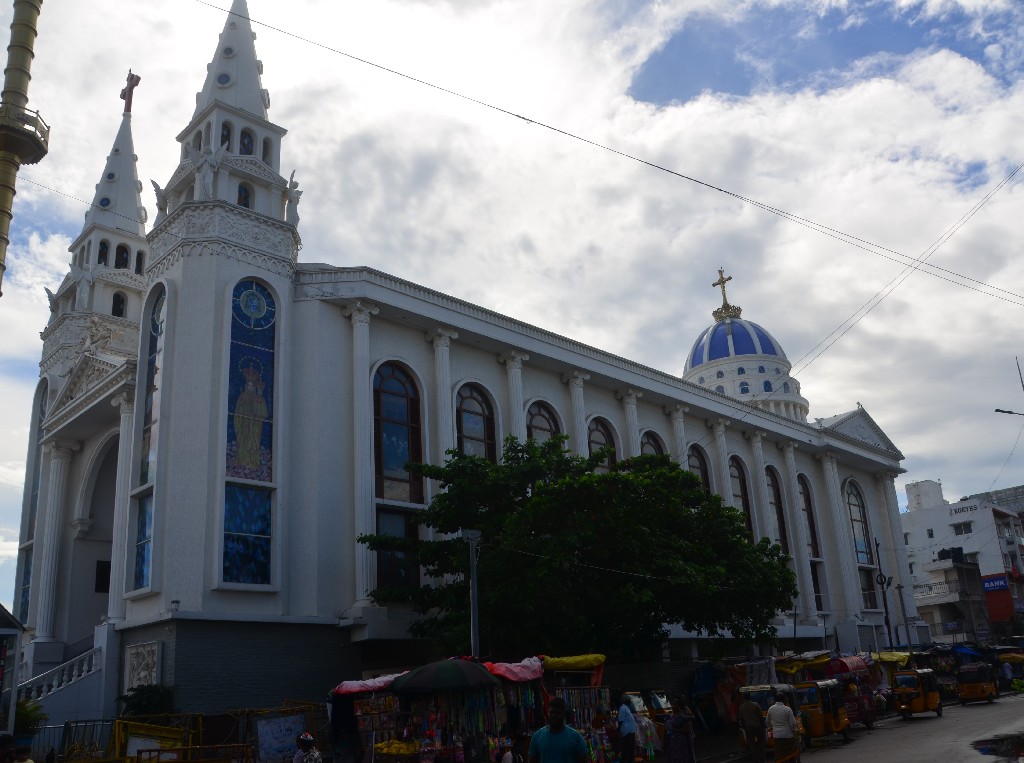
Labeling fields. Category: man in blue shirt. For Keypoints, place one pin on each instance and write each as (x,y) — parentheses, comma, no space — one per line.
(627,731)
(556,742)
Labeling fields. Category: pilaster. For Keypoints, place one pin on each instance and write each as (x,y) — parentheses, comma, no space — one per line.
(842,533)
(761,518)
(629,398)
(122,490)
(799,548)
(442,339)
(678,418)
(61,452)
(580,440)
(887,485)
(722,456)
(362,434)
(516,405)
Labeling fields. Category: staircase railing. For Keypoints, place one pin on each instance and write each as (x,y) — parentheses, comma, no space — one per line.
(63,675)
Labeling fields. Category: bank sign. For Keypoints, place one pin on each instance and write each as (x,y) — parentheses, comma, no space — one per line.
(995,583)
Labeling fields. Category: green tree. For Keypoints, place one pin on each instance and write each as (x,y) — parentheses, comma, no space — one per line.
(574,558)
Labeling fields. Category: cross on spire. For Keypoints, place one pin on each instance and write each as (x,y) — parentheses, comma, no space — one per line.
(126,92)
(726,310)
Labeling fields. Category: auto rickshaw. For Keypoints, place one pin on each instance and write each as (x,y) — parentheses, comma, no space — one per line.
(976,681)
(764,695)
(823,709)
(917,691)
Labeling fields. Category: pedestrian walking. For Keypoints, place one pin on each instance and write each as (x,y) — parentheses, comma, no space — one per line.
(679,734)
(751,721)
(556,742)
(784,728)
(627,731)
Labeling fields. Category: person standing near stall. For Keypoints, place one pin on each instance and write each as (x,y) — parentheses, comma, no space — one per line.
(627,731)
(679,734)
(556,742)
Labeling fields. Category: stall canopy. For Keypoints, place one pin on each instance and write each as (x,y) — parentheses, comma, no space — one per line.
(900,658)
(380,683)
(966,650)
(445,675)
(844,665)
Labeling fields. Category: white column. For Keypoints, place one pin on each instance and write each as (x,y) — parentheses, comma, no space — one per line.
(60,458)
(581,442)
(362,436)
(516,405)
(842,534)
(886,481)
(122,500)
(442,340)
(760,516)
(676,414)
(722,451)
(629,398)
(798,533)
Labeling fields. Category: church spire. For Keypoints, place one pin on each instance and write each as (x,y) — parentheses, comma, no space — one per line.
(233,76)
(117,204)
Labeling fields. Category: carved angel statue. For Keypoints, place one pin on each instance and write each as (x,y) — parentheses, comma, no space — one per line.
(291,214)
(52,299)
(97,335)
(161,200)
(206,163)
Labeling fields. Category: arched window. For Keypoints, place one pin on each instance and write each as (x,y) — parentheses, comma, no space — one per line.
(651,444)
(142,548)
(744,388)
(197,141)
(760,369)
(117,305)
(767,386)
(207,129)
(775,502)
(697,463)
(785,386)
(740,491)
(474,423)
(777,372)
(225,134)
(396,434)
(244,195)
(249,455)
(266,150)
(246,142)
(740,371)
(719,374)
(140,262)
(720,388)
(807,503)
(599,435)
(700,380)
(859,522)
(104,253)
(121,256)
(541,422)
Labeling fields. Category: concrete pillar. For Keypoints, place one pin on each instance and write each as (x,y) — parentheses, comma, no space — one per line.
(516,405)
(798,539)
(723,482)
(442,340)
(629,398)
(122,501)
(61,452)
(842,534)
(580,439)
(760,516)
(676,414)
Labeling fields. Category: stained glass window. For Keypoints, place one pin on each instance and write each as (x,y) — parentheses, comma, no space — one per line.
(143,542)
(244,196)
(117,305)
(808,506)
(250,421)
(395,568)
(474,423)
(247,534)
(225,130)
(740,492)
(600,436)
(651,445)
(698,464)
(245,142)
(140,262)
(396,434)
(775,502)
(151,407)
(26,584)
(121,257)
(541,422)
(104,253)
(859,522)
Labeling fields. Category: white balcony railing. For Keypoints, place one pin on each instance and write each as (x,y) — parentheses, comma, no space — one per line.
(63,675)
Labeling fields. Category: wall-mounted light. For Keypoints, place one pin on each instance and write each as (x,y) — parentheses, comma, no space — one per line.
(175,603)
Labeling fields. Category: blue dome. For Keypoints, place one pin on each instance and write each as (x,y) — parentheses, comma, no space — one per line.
(729,338)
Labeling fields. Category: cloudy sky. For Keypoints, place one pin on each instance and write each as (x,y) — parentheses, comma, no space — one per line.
(844,160)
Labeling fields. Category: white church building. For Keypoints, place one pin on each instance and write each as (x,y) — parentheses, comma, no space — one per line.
(216,422)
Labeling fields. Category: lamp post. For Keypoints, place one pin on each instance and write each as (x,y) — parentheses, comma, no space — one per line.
(473,536)
(884,583)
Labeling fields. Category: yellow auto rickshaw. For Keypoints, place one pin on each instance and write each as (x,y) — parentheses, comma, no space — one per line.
(976,681)
(917,691)
(764,695)
(823,708)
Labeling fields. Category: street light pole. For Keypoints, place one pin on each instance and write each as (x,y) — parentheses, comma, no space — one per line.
(884,584)
(473,536)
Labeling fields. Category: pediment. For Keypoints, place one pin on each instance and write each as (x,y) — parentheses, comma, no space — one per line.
(858,425)
(88,373)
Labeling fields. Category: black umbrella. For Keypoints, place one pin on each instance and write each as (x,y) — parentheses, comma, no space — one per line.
(446,675)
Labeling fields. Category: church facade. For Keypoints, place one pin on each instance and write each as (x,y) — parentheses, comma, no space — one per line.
(216,423)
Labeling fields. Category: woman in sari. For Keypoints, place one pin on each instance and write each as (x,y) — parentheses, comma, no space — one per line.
(679,734)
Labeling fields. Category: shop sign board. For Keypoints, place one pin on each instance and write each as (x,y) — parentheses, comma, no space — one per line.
(995,582)
(953,627)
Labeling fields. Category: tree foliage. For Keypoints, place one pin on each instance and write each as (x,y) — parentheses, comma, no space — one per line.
(575,559)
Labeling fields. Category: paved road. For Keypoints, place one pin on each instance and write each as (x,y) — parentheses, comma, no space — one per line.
(927,738)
